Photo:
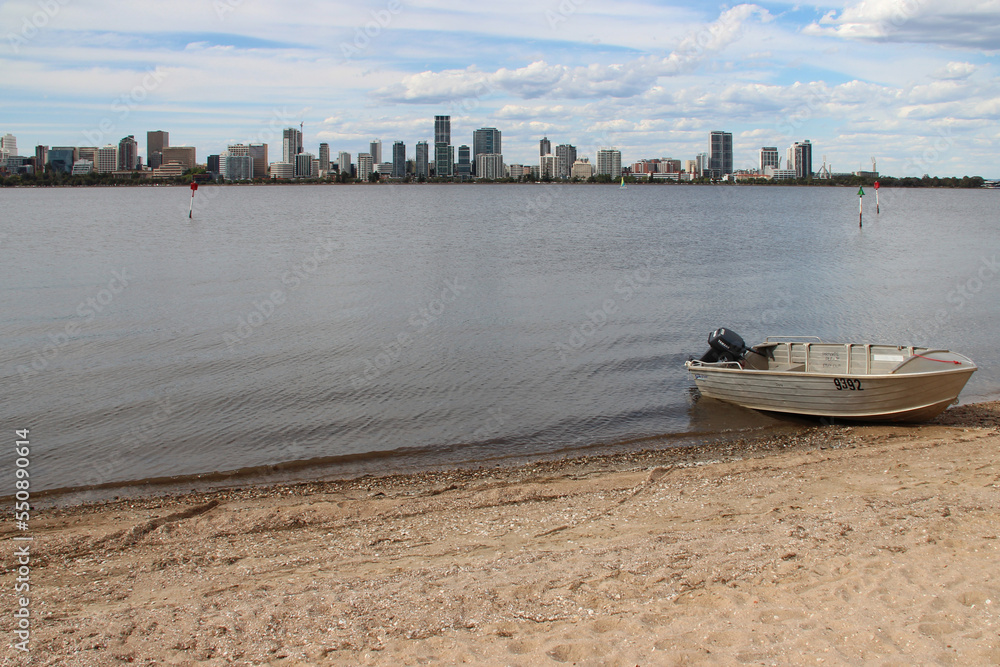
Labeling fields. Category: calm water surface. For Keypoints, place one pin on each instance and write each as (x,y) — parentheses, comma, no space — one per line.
(443,324)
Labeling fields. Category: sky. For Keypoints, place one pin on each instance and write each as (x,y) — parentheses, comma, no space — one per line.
(911,83)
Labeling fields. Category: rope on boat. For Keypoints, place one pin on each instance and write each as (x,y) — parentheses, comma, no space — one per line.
(943,361)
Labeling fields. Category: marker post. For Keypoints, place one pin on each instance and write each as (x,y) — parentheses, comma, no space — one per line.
(861,193)
(194,188)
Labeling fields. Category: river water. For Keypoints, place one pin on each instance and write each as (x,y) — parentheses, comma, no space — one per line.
(379,328)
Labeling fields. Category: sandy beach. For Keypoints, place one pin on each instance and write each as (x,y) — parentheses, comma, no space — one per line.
(843,545)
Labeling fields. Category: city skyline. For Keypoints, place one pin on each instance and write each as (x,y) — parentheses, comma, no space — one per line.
(913,84)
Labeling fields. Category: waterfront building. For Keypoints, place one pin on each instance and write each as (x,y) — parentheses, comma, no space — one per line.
(721,153)
(366,165)
(128,153)
(776,174)
(87,153)
(544,147)
(422,168)
(8,145)
(398,159)
(259,154)
(375,150)
(515,171)
(169,170)
(186,155)
(61,158)
(702,162)
(384,169)
(769,158)
(212,164)
(156,141)
(485,140)
(239,167)
(291,144)
(565,158)
(324,159)
(304,165)
(238,149)
(344,164)
(609,161)
(801,153)
(463,170)
(81,167)
(41,157)
(444,152)
(547,166)
(107,159)
(582,169)
(489,166)
(282,170)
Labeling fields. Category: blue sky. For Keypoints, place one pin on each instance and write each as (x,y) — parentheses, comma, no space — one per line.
(912,82)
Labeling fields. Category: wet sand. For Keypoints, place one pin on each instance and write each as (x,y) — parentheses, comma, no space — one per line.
(833,545)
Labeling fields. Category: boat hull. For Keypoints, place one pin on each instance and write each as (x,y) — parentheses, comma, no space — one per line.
(908,397)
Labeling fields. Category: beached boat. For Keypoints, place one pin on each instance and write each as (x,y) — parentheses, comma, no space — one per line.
(808,376)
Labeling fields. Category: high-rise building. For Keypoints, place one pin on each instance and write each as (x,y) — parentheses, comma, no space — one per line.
(422,169)
(444,152)
(8,145)
(212,164)
(156,141)
(485,140)
(238,149)
(344,164)
(565,157)
(398,159)
(702,162)
(186,155)
(366,165)
(41,157)
(463,170)
(87,153)
(544,147)
(609,161)
(304,165)
(582,169)
(259,154)
(803,157)
(61,158)
(291,144)
(282,170)
(128,153)
(239,166)
(547,166)
(324,159)
(721,153)
(375,150)
(489,166)
(107,159)
(769,158)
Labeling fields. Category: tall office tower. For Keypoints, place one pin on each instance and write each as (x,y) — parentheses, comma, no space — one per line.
(291,144)
(344,164)
(702,162)
(422,169)
(41,157)
(107,159)
(156,141)
(324,158)
(444,152)
(721,153)
(544,147)
(609,161)
(61,158)
(375,150)
(239,167)
(463,170)
(489,166)
(259,154)
(186,155)
(213,164)
(769,158)
(366,165)
(547,166)
(565,157)
(87,153)
(238,149)
(304,165)
(803,155)
(128,153)
(485,140)
(398,159)
(8,144)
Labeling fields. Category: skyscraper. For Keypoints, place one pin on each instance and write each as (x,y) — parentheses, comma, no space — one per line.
(489,166)
(156,141)
(107,159)
(609,161)
(128,153)
(544,147)
(291,144)
(375,150)
(259,154)
(365,165)
(565,157)
(444,153)
(344,164)
(8,145)
(324,158)
(803,156)
(485,140)
(398,159)
(721,153)
(61,158)
(422,168)
(463,170)
(769,158)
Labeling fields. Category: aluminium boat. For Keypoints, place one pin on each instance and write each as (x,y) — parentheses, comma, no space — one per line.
(804,375)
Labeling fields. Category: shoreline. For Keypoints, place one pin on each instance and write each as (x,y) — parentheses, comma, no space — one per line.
(845,544)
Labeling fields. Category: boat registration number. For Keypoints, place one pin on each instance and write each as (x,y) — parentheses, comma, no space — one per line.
(847,383)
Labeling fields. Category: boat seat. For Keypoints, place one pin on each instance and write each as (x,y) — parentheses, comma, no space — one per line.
(786,367)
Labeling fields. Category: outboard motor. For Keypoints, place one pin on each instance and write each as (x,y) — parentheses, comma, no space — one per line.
(724,345)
